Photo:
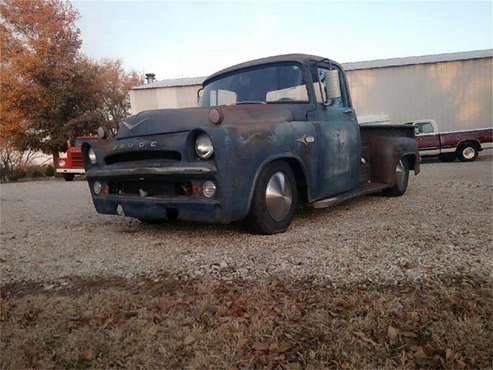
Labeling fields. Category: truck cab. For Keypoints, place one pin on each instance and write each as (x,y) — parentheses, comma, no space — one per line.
(269,135)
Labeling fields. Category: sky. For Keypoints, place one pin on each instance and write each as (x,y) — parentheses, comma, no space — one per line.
(189,39)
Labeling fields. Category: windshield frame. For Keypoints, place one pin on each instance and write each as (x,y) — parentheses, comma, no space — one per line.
(301,65)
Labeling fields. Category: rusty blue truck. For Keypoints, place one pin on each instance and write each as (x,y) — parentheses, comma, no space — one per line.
(269,135)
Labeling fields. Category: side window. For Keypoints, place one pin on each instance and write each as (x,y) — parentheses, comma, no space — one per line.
(222,97)
(427,128)
(424,128)
(328,82)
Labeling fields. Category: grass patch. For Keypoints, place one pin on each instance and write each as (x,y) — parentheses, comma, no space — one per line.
(191,324)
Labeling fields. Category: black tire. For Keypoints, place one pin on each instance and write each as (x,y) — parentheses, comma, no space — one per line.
(68,176)
(447,157)
(468,152)
(260,219)
(400,179)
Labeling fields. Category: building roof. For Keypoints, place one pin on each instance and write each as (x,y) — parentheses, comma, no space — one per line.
(377,63)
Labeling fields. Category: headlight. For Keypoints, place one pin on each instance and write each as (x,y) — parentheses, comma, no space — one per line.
(61,163)
(203,146)
(208,189)
(92,156)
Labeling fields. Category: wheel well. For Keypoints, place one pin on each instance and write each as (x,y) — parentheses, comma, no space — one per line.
(474,143)
(300,177)
(411,159)
(299,174)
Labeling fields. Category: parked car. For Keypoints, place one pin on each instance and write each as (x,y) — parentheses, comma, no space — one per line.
(464,145)
(270,134)
(71,162)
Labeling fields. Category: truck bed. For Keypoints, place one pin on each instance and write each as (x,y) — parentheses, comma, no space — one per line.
(378,142)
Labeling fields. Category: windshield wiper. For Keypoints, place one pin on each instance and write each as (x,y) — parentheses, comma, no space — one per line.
(249,102)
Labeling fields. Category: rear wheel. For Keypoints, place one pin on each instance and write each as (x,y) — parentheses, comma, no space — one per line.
(468,152)
(274,199)
(68,176)
(401,179)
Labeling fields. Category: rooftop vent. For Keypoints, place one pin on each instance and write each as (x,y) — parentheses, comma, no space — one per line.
(150,78)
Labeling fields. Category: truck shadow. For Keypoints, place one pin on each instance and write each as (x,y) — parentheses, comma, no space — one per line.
(180,228)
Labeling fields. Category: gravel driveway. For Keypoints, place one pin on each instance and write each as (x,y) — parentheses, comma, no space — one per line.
(50,232)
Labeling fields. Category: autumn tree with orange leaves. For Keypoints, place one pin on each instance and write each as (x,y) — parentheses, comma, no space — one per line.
(50,92)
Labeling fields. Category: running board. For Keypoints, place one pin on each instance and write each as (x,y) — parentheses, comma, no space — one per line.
(362,190)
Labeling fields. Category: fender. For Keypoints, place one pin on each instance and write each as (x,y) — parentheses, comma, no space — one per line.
(477,142)
(270,159)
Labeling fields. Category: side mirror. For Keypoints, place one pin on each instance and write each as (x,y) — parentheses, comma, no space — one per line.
(332,85)
(416,131)
(200,93)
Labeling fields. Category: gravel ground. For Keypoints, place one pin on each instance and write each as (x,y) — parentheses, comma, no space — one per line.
(50,233)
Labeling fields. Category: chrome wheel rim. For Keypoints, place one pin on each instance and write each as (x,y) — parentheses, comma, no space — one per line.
(278,196)
(468,152)
(400,173)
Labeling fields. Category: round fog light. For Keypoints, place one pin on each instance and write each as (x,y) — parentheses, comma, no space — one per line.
(208,189)
(92,156)
(97,187)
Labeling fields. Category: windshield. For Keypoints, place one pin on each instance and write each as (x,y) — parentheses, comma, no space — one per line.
(279,83)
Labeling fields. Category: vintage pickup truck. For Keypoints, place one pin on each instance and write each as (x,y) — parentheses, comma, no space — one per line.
(270,134)
(464,145)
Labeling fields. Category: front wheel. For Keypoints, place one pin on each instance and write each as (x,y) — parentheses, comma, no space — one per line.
(274,200)
(68,176)
(401,179)
(468,152)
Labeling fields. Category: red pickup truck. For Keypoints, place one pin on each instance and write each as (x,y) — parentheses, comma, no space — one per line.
(464,145)
(71,163)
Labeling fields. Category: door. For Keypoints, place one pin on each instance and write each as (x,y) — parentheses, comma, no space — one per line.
(339,141)
(427,139)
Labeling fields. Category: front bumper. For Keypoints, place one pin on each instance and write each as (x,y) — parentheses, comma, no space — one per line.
(204,210)
(154,192)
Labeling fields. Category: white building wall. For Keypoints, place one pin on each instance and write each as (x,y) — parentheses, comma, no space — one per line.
(164,97)
(457,94)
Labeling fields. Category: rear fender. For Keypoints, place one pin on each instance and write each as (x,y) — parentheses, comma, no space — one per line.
(386,151)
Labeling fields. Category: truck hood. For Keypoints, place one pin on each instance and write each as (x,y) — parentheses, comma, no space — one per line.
(167,121)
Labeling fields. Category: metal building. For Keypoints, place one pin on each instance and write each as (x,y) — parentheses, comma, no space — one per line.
(454,89)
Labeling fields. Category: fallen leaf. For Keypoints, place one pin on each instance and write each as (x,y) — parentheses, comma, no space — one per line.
(366,339)
(393,333)
(449,355)
(86,355)
(274,347)
(188,340)
(261,347)
(408,334)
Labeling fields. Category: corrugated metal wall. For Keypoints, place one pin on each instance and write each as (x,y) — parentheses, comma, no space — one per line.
(164,97)
(457,94)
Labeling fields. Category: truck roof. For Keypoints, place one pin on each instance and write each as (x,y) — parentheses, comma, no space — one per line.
(297,58)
